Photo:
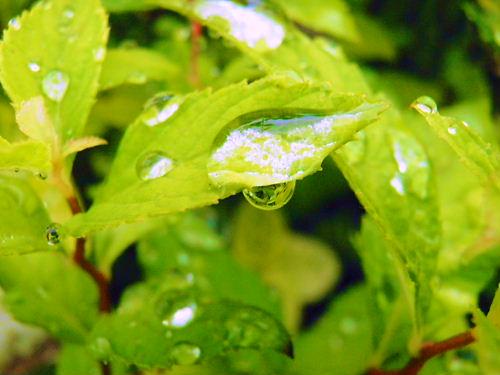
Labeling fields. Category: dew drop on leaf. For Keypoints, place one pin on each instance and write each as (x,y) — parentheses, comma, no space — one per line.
(55,84)
(34,67)
(425,104)
(99,54)
(154,165)
(177,309)
(159,109)
(397,184)
(69,13)
(52,234)
(15,24)
(452,130)
(271,197)
(185,353)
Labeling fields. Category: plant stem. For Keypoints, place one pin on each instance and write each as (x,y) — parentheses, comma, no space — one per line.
(428,351)
(194,72)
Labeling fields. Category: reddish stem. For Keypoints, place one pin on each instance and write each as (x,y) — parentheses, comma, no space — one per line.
(428,351)
(194,73)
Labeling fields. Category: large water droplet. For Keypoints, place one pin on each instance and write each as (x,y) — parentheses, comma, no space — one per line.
(15,24)
(52,234)
(154,165)
(425,104)
(160,108)
(185,353)
(34,67)
(270,197)
(248,25)
(55,84)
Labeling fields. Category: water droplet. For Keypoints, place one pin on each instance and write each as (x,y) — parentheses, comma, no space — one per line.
(425,104)
(42,175)
(159,109)
(154,165)
(248,25)
(34,67)
(452,130)
(69,13)
(99,54)
(15,24)
(180,317)
(270,197)
(55,84)
(52,234)
(397,184)
(185,353)
(177,308)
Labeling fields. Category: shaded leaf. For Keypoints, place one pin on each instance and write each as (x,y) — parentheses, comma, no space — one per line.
(135,66)
(49,291)
(23,218)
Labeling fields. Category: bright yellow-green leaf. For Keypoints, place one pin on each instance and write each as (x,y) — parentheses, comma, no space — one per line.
(488,344)
(55,50)
(161,166)
(28,155)
(80,144)
(23,218)
(135,66)
(301,269)
(34,121)
(481,157)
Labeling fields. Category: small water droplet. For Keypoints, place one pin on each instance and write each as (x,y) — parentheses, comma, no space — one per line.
(452,130)
(55,84)
(154,165)
(397,184)
(425,104)
(34,67)
(99,54)
(15,24)
(52,234)
(185,353)
(159,109)
(42,175)
(69,13)
(270,197)
(177,308)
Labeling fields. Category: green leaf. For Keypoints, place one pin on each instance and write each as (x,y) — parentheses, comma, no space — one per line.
(154,329)
(109,244)
(161,166)
(76,359)
(340,342)
(62,62)
(187,245)
(488,344)
(30,155)
(391,174)
(391,293)
(35,122)
(332,17)
(48,290)
(126,5)
(481,157)
(494,313)
(135,66)
(23,218)
(76,145)
(301,269)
